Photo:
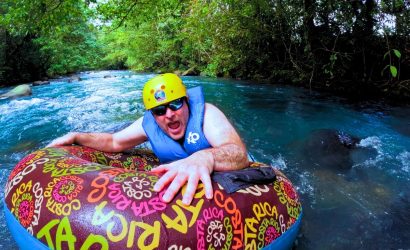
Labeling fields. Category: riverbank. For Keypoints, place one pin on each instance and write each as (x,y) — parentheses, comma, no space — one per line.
(395,93)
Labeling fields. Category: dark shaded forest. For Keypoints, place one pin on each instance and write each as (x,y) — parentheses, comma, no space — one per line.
(358,48)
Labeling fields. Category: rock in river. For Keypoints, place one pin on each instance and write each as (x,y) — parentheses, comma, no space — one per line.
(21,90)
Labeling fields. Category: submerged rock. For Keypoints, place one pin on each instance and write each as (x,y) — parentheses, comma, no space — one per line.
(38,83)
(392,227)
(337,151)
(74,78)
(328,148)
(400,211)
(21,90)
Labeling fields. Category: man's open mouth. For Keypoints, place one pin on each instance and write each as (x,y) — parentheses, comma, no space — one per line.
(174,125)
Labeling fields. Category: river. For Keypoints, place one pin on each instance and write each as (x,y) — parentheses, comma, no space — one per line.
(349,161)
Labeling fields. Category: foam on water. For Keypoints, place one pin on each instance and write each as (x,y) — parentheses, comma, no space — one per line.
(305,186)
(375,143)
(404,158)
(387,152)
(372,141)
(92,100)
(136,93)
(279,162)
(18,105)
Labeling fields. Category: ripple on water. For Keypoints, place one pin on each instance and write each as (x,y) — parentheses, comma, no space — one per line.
(305,186)
(388,157)
(404,158)
(92,100)
(18,105)
(279,162)
(372,141)
(375,143)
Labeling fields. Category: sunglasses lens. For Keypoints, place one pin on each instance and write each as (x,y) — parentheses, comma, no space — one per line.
(159,110)
(177,104)
(174,106)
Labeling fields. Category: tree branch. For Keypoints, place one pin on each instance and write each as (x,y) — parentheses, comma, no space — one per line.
(123,18)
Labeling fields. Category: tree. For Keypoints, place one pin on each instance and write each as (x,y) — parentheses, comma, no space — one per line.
(47,37)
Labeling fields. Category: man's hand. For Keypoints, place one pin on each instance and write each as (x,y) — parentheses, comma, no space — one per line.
(64,140)
(190,170)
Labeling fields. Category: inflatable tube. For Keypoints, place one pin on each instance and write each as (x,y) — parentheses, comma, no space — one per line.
(79,198)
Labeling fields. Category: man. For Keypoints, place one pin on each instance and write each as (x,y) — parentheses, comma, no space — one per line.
(191,138)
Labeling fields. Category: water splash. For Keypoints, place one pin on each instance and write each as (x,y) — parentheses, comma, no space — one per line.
(388,157)
(375,143)
(305,186)
(279,162)
(18,105)
(404,158)
(372,141)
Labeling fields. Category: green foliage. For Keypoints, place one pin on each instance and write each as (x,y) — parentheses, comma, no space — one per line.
(54,35)
(217,29)
(390,66)
(148,40)
(70,51)
(397,53)
(329,68)
(40,16)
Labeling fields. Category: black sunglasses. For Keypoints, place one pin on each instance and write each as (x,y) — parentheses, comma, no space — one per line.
(174,106)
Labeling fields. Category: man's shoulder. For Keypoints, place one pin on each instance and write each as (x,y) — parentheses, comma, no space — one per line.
(212,111)
(210,106)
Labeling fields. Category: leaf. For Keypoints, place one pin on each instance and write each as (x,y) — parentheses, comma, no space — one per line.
(393,70)
(397,53)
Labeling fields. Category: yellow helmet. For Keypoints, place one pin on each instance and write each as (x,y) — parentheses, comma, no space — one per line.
(162,89)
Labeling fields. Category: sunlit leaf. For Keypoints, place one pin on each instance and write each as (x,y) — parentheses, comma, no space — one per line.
(397,53)
(393,70)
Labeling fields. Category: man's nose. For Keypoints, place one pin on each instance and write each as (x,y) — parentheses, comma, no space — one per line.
(169,113)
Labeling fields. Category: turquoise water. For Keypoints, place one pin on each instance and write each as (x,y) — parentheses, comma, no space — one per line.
(353,196)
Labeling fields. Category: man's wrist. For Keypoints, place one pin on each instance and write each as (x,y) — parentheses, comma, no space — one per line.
(211,160)
(73,137)
(206,156)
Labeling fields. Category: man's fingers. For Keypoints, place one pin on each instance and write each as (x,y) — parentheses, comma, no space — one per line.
(159,169)
(164,180)
(190,189)
(177,176)
(206,180)
(175,186)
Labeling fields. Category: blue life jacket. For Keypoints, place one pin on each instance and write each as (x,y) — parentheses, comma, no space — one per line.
(167,149)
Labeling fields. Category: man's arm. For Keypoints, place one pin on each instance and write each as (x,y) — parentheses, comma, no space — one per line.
(227,153)
(127,138)
(228,150)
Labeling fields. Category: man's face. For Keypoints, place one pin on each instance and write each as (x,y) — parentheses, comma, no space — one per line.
(174,123)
